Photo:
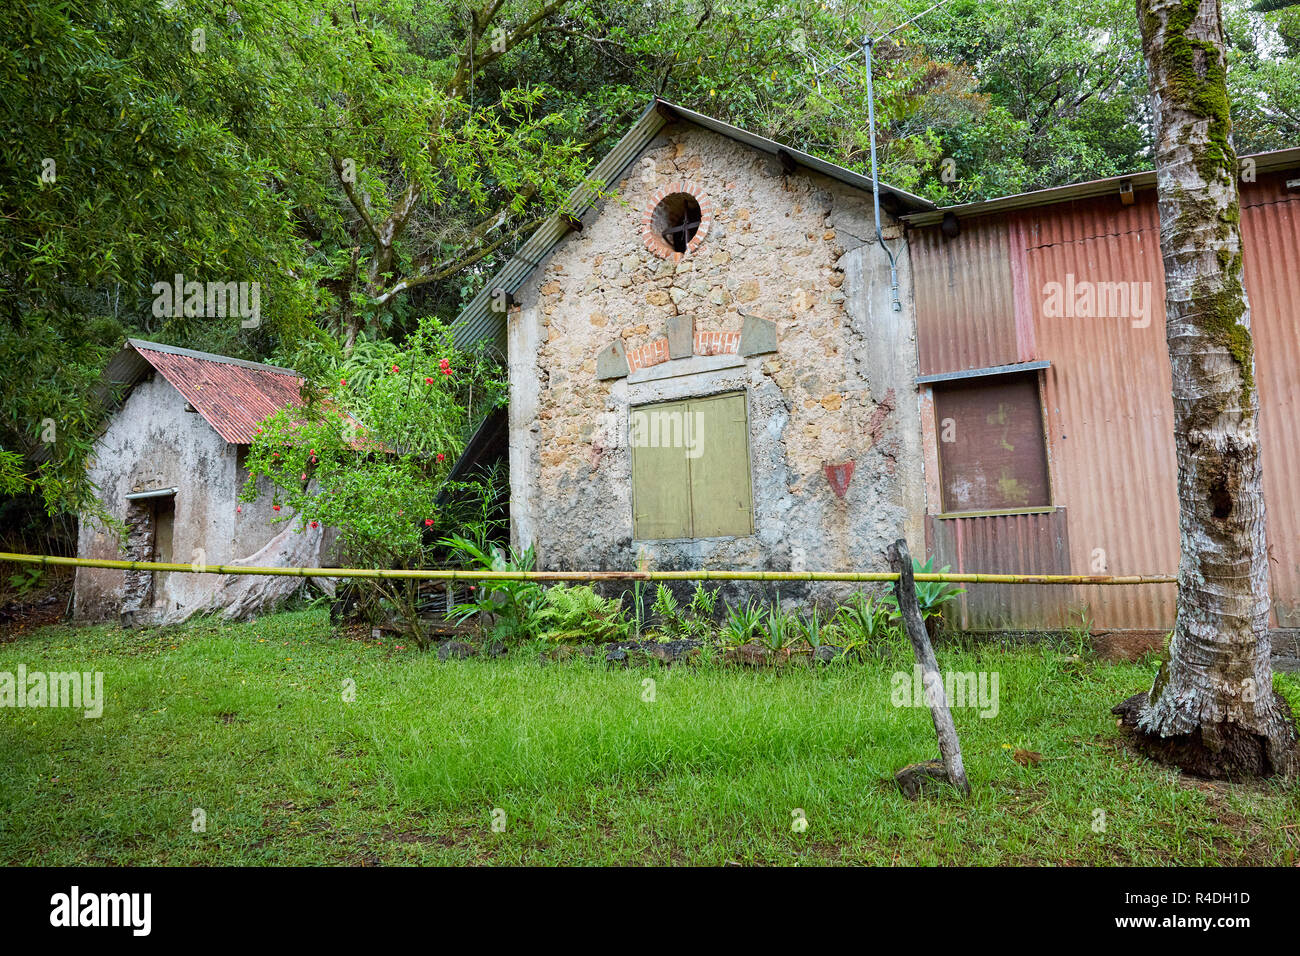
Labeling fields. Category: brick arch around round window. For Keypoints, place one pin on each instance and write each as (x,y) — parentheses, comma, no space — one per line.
(649,227)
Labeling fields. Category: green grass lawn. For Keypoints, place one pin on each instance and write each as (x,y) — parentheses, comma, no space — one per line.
(248,723)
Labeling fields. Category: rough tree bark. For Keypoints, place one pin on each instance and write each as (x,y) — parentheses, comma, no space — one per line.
(1211,709)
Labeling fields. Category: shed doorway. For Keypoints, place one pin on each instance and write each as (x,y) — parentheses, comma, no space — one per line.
(150,528)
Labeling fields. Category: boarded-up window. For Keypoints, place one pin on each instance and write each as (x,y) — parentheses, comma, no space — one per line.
(991,449)
(690,469)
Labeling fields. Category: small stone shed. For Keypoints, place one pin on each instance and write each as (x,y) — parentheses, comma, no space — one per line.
(170,465)
(706,366)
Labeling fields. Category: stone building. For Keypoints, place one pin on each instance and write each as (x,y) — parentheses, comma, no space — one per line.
(170,466)
(706,365)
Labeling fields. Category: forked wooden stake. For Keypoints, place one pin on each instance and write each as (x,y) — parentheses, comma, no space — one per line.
(905,589)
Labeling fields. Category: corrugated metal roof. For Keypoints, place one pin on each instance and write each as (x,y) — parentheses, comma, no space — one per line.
(478,322)
(1263,162)
(233,396)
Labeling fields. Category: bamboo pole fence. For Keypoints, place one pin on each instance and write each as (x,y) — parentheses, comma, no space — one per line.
(702,574)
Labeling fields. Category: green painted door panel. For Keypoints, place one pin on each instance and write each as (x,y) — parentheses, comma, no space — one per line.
(719,474)
(661,505)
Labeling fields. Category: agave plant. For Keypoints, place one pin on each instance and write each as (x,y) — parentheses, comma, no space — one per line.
(779,629)
(811,627)
(932,596)
(742,625)
(867,621)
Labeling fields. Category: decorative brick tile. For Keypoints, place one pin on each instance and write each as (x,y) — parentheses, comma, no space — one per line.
(717,343)
(652,353)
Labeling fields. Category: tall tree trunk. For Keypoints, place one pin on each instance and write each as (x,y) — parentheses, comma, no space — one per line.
(1212,709)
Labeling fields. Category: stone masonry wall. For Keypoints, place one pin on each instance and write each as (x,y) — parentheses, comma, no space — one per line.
(836,401)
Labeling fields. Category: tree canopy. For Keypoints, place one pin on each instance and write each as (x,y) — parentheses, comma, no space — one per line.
(369,164)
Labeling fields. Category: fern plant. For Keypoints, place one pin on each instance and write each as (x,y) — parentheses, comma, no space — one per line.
(580,614)
(692,621)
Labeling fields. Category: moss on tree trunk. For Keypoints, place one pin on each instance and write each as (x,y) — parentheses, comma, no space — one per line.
(1211,709)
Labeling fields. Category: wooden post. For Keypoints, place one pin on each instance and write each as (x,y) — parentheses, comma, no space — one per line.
(905,589)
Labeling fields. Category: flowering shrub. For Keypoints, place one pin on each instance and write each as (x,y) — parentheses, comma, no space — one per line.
(370,459)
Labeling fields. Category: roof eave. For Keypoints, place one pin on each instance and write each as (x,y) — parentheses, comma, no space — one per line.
(1264,162)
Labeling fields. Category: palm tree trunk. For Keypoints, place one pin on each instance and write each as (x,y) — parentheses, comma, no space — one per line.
(1212,709)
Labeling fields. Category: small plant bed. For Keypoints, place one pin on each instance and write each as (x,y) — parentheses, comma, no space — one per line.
(646,625)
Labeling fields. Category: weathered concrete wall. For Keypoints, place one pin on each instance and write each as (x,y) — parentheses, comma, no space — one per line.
(153,443)
(799,251)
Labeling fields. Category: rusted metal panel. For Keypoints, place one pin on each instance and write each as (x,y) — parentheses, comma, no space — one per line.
(1007,544)
(965,307)
(1108,398)
(233,399)
(1270,219)
(991,452)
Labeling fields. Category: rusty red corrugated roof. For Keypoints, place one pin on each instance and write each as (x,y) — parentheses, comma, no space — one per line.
(232,395)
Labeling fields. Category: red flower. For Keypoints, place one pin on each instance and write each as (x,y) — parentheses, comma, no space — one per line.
(428,381)
(428,522)
(239,509)
(441,457)
(304,476)
(313,524)
(446,371)
(443,363)
(343,381)
(275,507)
(394,368)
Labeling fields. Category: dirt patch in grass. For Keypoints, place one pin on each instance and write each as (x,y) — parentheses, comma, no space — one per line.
(43,606)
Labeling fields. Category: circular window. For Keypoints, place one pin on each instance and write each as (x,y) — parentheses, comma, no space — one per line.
(676,219)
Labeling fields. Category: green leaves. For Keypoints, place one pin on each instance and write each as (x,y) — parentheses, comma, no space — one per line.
(376,449)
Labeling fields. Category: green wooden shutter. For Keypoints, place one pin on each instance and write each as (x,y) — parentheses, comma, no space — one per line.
(660,478)
(721,501)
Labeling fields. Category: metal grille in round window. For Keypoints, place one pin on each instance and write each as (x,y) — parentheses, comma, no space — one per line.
(676,221)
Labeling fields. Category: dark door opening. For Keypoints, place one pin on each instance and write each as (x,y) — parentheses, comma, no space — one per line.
(150,528)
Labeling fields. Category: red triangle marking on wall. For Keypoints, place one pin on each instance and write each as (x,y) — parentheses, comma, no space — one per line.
(839,477)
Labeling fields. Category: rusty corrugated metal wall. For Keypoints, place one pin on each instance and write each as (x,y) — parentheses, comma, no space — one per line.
(1270,221)
(1006,544)
(1106,398)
